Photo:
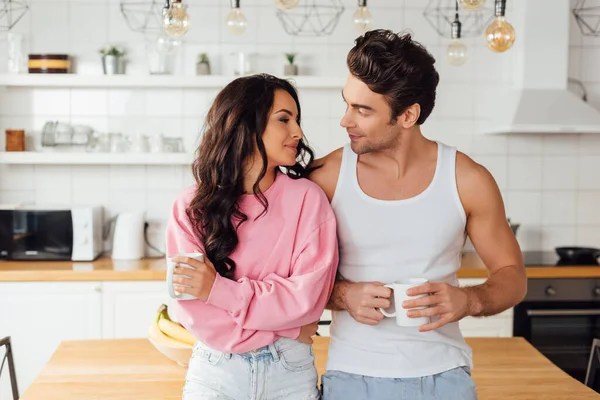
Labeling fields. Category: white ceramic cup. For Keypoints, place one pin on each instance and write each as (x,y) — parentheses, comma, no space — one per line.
(399,296)
(171,265)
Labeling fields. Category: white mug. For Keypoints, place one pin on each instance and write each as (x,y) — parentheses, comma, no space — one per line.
(400,296)
(171,265)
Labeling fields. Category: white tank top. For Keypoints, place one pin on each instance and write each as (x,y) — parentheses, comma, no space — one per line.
(387,241)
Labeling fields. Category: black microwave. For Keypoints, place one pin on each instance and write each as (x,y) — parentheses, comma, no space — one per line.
(37,233)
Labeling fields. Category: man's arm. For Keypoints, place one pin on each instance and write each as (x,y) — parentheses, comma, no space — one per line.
(362,300)
(326,175)
(327,171)
(493,240)
(338,296)
(495,243)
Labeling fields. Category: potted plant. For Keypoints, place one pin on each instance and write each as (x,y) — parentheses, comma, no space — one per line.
(112,60)
(203,65)
(290,68)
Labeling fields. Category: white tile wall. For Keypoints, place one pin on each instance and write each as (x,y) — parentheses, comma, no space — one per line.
(550,183)
(559,172)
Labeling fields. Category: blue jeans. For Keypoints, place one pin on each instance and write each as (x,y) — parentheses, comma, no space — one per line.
(284,370)
(455,384)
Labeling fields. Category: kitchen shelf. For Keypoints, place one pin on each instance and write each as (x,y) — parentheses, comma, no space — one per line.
(150,81)
(56,158)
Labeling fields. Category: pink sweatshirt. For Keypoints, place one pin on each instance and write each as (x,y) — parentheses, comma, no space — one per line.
(286,263)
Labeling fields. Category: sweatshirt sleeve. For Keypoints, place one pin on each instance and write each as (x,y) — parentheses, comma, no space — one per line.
(277,302)
(180,238)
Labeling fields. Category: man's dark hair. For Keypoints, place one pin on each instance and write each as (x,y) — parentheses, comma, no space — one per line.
(397,67)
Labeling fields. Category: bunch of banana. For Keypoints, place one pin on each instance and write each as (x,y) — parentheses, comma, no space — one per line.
(166,332)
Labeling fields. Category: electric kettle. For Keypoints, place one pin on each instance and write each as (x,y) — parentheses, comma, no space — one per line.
(128,239)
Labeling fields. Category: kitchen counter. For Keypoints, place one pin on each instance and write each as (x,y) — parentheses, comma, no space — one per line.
(102,269)
(473,267)
(132,369)
(153,269)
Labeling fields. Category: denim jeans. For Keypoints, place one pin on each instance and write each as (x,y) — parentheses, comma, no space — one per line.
(455,384)
(284,370)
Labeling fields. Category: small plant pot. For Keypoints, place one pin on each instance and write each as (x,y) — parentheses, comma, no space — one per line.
(290,69)
(202,69)
(113,65)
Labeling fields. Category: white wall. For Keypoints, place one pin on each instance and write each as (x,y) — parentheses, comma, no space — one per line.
(551,185)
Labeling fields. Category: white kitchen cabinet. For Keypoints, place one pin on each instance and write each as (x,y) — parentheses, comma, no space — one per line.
(38,316)
(129,307)
(325,317)
(500,325)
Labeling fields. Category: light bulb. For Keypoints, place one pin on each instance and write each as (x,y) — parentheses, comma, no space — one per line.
(286,4)
(500,35)
(176,21)
(457,53)
(236,22)
(362,19)
(471,5)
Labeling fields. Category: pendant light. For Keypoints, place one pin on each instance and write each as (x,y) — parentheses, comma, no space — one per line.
(176,20)
(472,5)
(286,4)
(362,17)
(457,51)
(500,35)
(236,21)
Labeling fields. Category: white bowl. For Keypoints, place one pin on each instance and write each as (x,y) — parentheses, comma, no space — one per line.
(181,355)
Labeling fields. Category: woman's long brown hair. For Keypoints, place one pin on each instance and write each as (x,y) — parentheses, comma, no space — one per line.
(232,131)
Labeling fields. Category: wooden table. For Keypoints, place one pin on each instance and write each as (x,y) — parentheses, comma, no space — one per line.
(505,368)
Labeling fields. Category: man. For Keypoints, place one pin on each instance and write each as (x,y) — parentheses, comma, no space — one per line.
(404,205)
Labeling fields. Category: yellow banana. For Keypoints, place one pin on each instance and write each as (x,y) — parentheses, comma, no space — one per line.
(157,335)
(176,331)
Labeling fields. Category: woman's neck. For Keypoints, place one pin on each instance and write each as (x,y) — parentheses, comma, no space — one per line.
(252,172)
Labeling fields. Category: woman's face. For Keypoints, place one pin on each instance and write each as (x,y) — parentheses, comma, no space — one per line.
(283,132)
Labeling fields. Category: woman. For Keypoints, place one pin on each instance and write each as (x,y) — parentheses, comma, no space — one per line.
(269,241)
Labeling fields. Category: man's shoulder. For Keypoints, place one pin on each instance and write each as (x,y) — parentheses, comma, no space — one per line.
(331,160)
(326,171)
(468,170)
(476,185)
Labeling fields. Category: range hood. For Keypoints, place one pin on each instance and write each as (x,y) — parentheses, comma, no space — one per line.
(539,101)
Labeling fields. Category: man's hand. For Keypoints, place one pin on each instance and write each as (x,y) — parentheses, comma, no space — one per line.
(363,300)
(307,332)
(200,281)
(448,302)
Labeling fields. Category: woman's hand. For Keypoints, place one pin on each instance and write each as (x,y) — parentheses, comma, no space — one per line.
(307,332)
(200,281)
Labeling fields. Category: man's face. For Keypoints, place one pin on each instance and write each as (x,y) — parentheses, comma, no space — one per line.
(367,118)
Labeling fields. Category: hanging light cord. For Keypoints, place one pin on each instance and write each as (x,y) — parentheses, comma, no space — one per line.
(166,6)
(456,25)
(456,11)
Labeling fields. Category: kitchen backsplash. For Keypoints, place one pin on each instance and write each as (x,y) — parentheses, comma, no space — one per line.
(550,183)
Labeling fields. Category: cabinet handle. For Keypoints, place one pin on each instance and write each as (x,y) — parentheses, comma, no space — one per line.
(563,313)
(98,289)
(550,291)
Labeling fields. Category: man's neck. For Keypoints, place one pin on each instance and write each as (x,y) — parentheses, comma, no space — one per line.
(410,148)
